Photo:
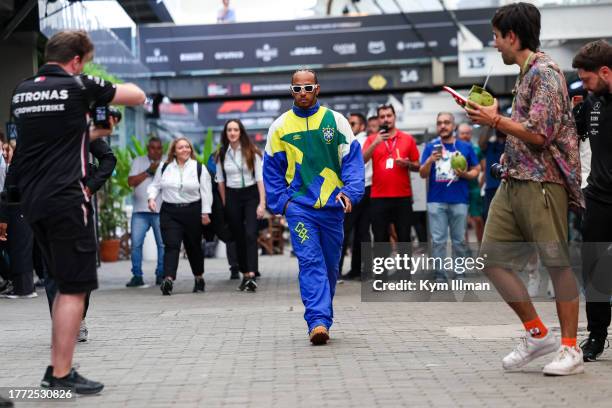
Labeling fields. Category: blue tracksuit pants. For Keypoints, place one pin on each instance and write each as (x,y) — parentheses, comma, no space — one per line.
(316,236)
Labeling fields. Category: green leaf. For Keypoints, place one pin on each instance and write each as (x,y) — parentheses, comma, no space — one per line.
(208,145)
(99,71)
(113,219)
(139,148)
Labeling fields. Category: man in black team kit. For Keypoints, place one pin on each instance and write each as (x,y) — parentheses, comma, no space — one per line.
(594,121)
(48,171)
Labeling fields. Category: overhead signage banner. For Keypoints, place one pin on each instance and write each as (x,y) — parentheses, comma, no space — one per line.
(277,84)
(259,114)
(176,50)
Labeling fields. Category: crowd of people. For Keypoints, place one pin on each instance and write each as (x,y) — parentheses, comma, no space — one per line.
(332,177)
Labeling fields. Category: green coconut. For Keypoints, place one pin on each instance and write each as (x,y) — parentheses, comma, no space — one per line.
(458,161)
(480,96)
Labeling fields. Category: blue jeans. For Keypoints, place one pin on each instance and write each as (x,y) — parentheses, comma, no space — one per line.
(442,218)
(141,222)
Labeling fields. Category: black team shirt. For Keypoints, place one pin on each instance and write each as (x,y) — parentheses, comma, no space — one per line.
(50,162)
(597,120)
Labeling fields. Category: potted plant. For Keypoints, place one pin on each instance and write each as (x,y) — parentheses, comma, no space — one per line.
(112,218)
(111,213)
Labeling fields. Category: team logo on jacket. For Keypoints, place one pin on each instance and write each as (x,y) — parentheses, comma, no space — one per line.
(328,134)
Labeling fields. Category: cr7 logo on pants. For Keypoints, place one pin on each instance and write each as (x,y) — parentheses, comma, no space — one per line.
(302,232)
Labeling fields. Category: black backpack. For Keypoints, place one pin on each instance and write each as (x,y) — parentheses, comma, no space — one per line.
(199,166)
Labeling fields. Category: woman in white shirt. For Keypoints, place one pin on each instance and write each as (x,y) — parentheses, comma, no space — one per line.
(240,181)
(185,188)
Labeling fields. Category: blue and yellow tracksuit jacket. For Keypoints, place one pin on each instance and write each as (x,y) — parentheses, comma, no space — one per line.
(311,156)
(310,159)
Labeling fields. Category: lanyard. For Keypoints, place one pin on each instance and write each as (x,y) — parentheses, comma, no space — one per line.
(390,150)
(526,64)
(231,156)
(444,147)
(181,171)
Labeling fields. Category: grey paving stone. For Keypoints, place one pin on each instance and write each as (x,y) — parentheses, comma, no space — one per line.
(227,348)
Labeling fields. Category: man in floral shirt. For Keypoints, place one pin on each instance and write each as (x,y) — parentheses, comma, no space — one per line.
(542,182)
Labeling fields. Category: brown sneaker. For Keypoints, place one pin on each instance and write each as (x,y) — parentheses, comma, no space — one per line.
(319,335)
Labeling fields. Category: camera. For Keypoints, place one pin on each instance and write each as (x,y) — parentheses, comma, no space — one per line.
(101,116)
(384,128)
(498,171)
(580,118)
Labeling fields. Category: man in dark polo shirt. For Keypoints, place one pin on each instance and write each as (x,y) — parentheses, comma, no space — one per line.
(48,171)
(594,64)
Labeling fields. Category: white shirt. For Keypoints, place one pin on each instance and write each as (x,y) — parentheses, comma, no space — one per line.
(180,186)
(585,162)
(3,170)
(361,138)
(419,187)
(140,197)
(237,170)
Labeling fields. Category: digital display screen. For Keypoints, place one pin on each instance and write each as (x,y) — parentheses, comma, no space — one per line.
(11,130)
(100,114)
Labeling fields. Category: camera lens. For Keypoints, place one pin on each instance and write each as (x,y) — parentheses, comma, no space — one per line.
(497,171)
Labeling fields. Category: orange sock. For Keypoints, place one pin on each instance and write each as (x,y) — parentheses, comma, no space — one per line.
(568,341)
(536,328)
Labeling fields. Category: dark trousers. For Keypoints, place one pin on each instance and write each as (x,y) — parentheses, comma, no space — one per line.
(597,265)
(489,194)
(37,260)
(241,215)
(419,219)
(182,224)
(5,270)
(357,221)
(20,241)
(386,211)
(232,256)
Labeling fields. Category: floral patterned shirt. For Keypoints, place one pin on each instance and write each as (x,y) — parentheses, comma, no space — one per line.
(542,105)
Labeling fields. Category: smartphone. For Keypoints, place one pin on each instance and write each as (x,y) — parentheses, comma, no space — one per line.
(384,128)
(577,99)
(342,202)
(437,148)
(460,99)
(11,131)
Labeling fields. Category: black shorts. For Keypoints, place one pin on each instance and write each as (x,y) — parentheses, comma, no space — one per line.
(68,244)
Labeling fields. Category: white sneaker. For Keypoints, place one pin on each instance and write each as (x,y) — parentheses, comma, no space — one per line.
(13,295)
(83,332)
(533,284)
(568,361)
(528,349)
(550,291)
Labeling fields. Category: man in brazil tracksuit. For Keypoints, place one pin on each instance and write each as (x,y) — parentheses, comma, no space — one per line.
(313,172)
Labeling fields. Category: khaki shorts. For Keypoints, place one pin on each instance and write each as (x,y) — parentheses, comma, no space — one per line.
(524,217)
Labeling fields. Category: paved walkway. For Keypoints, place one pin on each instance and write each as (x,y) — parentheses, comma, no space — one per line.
(227,348)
